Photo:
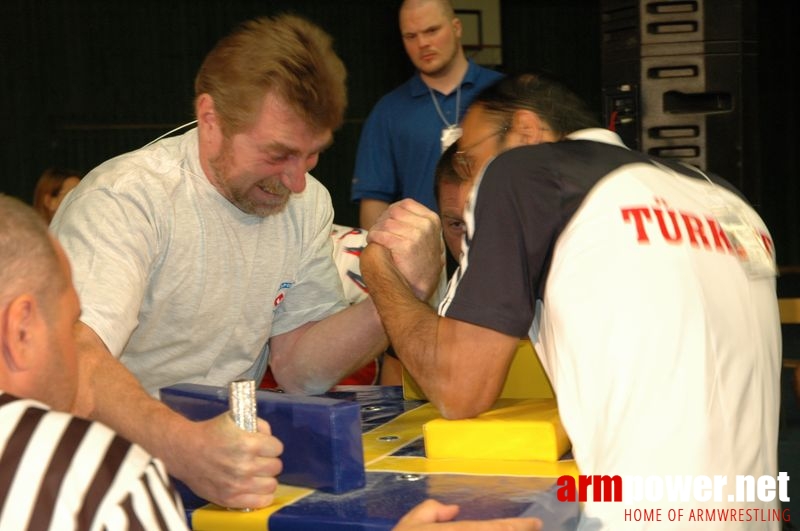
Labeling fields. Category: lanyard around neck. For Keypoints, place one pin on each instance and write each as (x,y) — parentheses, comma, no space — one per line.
(439,109)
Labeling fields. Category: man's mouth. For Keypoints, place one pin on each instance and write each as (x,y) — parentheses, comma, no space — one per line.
(271,192)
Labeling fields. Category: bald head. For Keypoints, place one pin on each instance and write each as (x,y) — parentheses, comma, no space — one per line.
(446,6)
(432,38)
(38,310)
(28,259)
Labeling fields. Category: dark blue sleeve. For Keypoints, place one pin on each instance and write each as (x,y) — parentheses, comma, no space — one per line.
(517,217)
(375,176)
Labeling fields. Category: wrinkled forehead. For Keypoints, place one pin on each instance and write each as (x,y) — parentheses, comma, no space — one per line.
(279,125)
(453,196)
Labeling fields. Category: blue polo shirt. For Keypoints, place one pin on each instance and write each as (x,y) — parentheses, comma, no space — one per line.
(401,140)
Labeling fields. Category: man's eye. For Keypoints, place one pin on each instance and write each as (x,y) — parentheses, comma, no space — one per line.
(456,225)
(276,159)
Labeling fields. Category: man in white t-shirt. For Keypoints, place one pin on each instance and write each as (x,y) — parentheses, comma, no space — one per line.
(204,257)
(648,287)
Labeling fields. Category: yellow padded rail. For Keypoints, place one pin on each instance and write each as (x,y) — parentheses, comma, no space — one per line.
(513,429)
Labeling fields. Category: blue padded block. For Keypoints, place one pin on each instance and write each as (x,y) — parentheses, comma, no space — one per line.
(321,437)
(388,496)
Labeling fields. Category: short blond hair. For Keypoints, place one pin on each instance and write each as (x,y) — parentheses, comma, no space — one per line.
(286,55)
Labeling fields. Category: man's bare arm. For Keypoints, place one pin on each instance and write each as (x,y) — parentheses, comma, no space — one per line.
(461,367)
(432,515)
(369,211)
(313,357)
(216,459)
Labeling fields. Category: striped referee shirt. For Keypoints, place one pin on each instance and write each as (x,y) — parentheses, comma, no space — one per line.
(60,472)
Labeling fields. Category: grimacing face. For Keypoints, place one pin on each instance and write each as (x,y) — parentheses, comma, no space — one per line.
(431,39)
(258,169)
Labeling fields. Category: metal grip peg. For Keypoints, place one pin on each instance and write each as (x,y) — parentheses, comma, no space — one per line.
(242,404)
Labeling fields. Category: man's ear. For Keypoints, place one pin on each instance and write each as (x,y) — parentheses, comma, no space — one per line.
(457,28)
(207,118)
(50,203)
(530,128)
(21,325)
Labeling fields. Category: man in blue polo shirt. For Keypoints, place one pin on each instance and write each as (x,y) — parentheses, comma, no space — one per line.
(409,127)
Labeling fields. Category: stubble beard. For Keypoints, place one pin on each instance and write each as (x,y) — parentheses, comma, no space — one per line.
(220,166)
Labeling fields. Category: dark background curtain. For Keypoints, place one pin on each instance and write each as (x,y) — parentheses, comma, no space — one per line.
(84,80)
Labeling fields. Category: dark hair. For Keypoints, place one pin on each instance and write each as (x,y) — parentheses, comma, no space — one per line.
(562,110)
(445,172)
(49,185)
(287,55)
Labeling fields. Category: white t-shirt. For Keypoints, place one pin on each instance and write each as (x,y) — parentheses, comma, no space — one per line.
(180,284)
(663,353)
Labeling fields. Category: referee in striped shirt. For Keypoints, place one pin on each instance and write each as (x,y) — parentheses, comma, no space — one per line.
(58,471)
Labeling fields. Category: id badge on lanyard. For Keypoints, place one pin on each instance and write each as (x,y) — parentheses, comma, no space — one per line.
(450,135)
(451,132)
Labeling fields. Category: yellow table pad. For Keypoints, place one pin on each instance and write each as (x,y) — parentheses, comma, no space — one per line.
(215,518)
(514,429)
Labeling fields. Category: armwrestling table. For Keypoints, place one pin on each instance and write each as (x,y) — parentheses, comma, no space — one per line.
(355,459)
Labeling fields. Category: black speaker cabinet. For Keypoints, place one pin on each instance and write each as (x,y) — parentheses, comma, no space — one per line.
(680,82)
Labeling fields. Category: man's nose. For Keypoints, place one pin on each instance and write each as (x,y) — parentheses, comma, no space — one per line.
(294,174)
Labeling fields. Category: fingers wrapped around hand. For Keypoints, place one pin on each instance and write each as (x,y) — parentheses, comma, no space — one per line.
(412,234)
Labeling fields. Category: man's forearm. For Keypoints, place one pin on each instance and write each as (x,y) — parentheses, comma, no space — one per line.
(216,459)
(111,394)
(313,358)
(369,211)
(411,324)
(461,367)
